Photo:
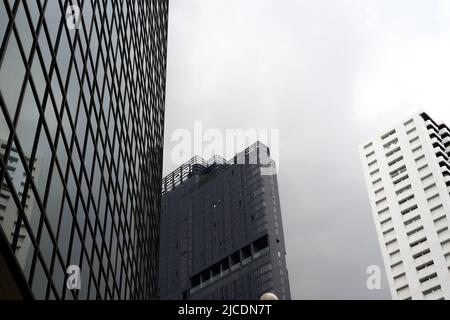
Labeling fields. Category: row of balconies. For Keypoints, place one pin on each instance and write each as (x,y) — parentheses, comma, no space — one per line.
(425,269)
(414,224)
(446,141)
(432,126)
(441,142)
(425,272)
(428,284)
(441,130)
(419,247)
(422,257)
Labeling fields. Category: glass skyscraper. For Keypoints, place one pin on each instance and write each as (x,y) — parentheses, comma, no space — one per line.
(82,91)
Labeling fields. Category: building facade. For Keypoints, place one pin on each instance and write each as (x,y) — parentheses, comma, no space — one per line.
(81,129)
(221,230)
(8,212)
(407,171)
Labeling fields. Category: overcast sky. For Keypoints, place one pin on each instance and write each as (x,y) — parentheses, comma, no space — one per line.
(329,75)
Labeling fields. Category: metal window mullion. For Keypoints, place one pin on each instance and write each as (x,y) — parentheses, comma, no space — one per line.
(9,28)
(99,54)
(28,78)
(48,91)
(16,198)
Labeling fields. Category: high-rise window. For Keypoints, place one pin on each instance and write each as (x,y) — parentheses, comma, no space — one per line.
(411,206)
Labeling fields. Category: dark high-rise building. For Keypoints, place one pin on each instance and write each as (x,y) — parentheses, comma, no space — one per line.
(221,230)
(81,134)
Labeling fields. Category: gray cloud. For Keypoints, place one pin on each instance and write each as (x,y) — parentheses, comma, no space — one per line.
(329,75)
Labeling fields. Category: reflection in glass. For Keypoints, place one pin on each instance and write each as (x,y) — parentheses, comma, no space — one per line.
(80,113)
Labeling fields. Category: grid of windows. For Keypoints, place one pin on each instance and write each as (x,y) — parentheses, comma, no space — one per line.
(84,106)
(218,223)
(407,172)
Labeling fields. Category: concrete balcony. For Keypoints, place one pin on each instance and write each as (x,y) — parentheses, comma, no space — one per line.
(410,227)
(384,215)
(447,258)
(447,181)
(401,282)
(404,294)
(423,259)
(434,296)
(397,271)
(386,225)
(426,271)
(405,205)
(446,140)
(403,183)
(395,258)
(439,143)
(445,237)
(389,237)
(442,159)
(410,215)
(396,166)
(419,248)
(445,169)
(416,236)
(393,155)
(430,283)
(429,122)
(443,131)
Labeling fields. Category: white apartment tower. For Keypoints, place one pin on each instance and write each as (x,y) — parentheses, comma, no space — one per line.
(407,171)
(8,209)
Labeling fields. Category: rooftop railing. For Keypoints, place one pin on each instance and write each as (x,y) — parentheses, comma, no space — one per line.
(198,165)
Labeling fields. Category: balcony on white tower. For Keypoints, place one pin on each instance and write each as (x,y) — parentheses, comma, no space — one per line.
(401,181)
(384,215)
(446,140)
(444,130)
(397,168)
(431,283)
(413,225)
(426,269)
(400,281)
(430,123)
(395,256)
(389,235)
(447,182)
(411,217)
(437,144)
(420,246)
(406,202)
(416,235)
(397,269)
(422,257)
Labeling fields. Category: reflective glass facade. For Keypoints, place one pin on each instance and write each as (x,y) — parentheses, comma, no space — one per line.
(81,135)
